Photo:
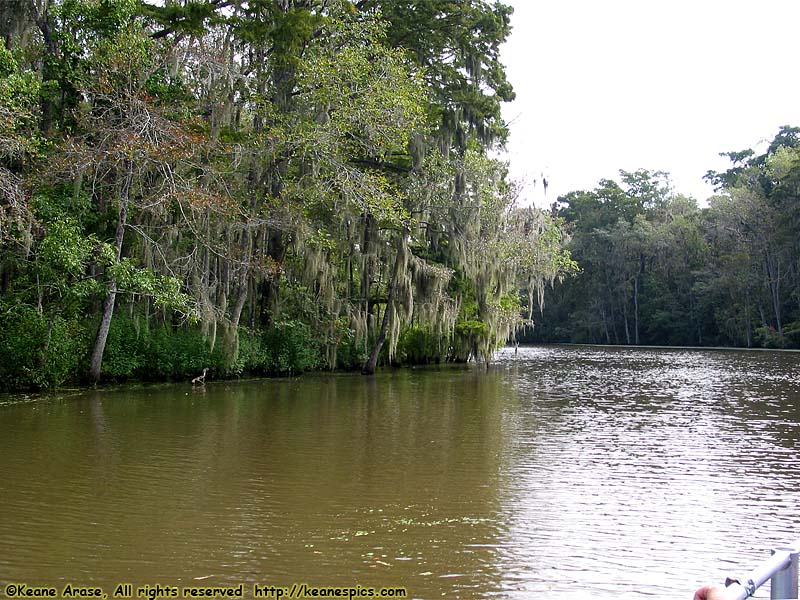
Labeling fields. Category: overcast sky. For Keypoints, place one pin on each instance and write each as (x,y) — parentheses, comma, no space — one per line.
(662,85)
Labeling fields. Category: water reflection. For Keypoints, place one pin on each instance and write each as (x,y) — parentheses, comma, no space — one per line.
(329,480)
(567,472)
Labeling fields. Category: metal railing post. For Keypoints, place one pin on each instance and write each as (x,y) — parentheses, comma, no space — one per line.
(784,581)
(776,567)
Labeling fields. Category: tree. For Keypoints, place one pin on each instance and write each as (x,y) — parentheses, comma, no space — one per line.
(249,172)
(657,269)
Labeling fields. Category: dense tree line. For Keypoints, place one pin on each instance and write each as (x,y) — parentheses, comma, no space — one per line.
(261,186)
(658,269)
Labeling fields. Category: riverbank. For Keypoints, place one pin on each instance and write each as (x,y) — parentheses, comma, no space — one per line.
(147,357)
(190,367)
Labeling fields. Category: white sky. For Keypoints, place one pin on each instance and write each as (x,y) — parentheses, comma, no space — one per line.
(604,85)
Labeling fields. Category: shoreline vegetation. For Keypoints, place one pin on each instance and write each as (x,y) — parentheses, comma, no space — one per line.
(14,397)
(259,188)
(64,392)
(275,187)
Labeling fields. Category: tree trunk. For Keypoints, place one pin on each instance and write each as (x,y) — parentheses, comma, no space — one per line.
(772,269)
(369,250)
(48,337)
(625,319)
(102,332)
(748,319)
(694,319)
(236,314)
(372,361)
(763,315)
(49,74)
(111,296)
(636,310)
(17,20)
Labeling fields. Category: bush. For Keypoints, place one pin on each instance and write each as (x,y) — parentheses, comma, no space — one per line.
(38,351)
(126,349)
(350,356)
(791,333)
(418,346)
(289,348)
(768,337)
(468,338)
(286,348)
(135,351)
(176,354)
(251,357)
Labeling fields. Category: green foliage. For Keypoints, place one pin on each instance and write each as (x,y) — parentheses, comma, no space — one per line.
(323,172)
(169,90)
(126,354)
(97,18)
(136,351)
(179,354)
(350,355)
(318,171)
(164,290)
(457,44)
(418,345)
(65,250)
(656,269)
(472,330)
(37,352)
(19,110)
(8,64)
(768,337)
(65,255)
(791,334)
(285,348)
(471,334)
(182,18)
(289,348)
(82,32)
(60,203)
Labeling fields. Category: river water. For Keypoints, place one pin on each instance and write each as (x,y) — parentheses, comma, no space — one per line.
(563,472)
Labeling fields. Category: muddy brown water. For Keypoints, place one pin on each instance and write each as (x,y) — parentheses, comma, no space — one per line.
(563,472)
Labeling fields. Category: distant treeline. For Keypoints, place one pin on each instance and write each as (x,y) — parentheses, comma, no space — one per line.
(657,269)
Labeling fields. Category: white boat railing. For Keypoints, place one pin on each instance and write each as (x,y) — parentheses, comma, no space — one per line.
(781,569)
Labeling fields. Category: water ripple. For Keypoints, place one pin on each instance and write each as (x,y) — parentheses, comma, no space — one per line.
(568,472)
